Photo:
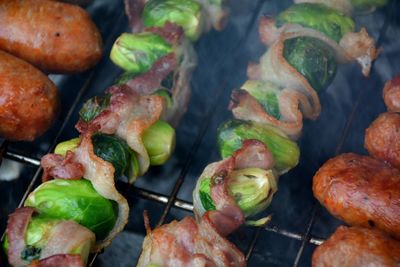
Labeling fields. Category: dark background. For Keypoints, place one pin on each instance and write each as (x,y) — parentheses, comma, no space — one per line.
(349,105)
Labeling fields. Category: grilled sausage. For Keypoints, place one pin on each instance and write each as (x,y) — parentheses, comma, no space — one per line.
(55,37)
(391,94)
(382,138)
(28,99)
(361,191)
(357,247)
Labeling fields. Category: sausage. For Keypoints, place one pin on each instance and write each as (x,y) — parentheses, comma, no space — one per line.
(382,138)
(391,94)
(55,37)
(360,190)
(28,100)
(357,247)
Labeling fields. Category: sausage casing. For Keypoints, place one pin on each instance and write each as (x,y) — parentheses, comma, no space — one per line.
(357,247)
(28,99)
(55,37)
(382,138)
(360,190)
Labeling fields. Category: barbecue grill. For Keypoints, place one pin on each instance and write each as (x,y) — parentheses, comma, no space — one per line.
(298,224)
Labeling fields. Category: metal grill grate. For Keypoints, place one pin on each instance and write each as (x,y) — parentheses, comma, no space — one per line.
(246,40)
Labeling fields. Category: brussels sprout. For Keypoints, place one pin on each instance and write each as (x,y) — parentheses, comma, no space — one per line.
(159,140)
(319,17)
(313,59)
(75,200)
(37,235)
(266,94)
(252,189)
(185,13)
(232,133)
(116,151)
(94,106)
(368,4)
(136,53)
(70,145)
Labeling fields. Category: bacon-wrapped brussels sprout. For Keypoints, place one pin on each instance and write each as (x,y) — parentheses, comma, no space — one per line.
(185,13)
(252,189)
(313,59)
(233,133)
(75,200)
(36,239)
(136,53)
(329,21)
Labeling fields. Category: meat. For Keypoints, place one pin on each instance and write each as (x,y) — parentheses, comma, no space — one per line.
(55,37)
(382,138)
(61,260)
(28,99)
(360,190)
(187,243)
(391,94)
(357,247)
(16,227)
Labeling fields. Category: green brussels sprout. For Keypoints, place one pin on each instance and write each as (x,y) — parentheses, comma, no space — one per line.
(75,200)
(94,106)
(159,141)
(313,59)
(368,4)
(185,13)
(37,236)
(233,133)
(266,94)
(319,17)
(252,189)
(136,53)
(116,151)
(70,145)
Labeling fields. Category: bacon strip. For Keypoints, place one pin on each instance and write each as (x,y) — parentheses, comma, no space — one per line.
(101,174)
(65,237)
(292,105)
(17,225)
(133,10)
(59,167)
(187,243)
(61,260)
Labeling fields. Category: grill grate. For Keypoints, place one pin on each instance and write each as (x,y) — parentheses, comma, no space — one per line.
(172,199)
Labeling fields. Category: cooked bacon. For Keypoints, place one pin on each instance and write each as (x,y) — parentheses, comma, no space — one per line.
(61,260)
(133,10)
(274,68)
(391,94)
(292,105)
(17,225)
(65,237)
(171,32)
(56,166)
(101,174)
(187,243)
(149,82)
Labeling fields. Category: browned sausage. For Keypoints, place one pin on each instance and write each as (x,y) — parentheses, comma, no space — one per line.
(391,94)
(360,190)
(28,99)
(357,247)
(55,37)
(382,138)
